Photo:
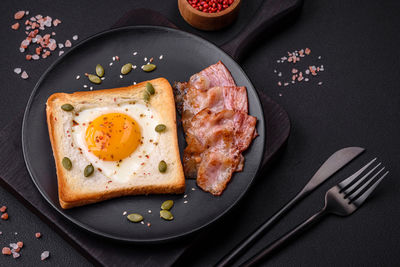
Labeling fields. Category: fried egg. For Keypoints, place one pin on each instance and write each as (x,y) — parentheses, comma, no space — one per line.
(117,140)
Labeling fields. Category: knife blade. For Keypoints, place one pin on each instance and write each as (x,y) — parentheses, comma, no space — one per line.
(334,163)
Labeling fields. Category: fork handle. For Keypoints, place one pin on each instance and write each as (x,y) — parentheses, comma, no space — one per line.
(283,240)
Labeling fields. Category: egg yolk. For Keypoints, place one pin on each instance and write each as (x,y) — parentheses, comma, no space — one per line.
(113,136)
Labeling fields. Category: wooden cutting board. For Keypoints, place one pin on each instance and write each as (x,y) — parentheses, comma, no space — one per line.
(15,178)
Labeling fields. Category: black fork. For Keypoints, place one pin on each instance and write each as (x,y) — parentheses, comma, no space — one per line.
(342,199)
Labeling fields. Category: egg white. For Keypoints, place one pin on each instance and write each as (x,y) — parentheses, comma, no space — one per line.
(138,161)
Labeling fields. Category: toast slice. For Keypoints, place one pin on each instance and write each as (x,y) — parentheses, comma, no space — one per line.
(74,188)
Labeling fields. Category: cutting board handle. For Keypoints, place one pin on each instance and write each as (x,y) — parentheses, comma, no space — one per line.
(269,12)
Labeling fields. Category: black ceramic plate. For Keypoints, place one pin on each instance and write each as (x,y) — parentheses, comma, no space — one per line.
(183,55)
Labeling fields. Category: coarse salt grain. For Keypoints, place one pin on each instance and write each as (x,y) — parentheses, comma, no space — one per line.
(121,76)
(185,196)
(68,43)
(6,251)
(14,245)
(19,14)
(193,188)
(44,255)
(15,26)
(60,45)
(85,86)
(124,213)
(149,211)
(111,64)
(91,88)
(142,222)
(103,78)
(24,75)
(60,52)
(185,201)
(78,76)
(15,254)
(75,37)
(134,53)
(17,70)
(161,57)
(56,22)
(134,66)
(145,59)
(320,83)
(280,94)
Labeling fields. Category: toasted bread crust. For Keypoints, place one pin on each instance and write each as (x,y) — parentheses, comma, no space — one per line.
(163,102)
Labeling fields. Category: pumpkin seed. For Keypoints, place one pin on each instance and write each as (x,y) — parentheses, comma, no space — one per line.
(94,79)
(135,217)
(166,215)
(126,68)
(162,166)
(66,162)
(99,70)
(148,67)
(167,205)
(160,128)
(67,107)
(146,96)
(150,88)
(88,170)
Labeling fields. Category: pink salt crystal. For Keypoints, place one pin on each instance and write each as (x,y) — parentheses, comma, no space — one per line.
(44,255)
(56,22)
(68,43)
(24,75)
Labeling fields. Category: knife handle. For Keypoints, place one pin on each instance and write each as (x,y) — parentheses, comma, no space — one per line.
(229,258)
(283,240)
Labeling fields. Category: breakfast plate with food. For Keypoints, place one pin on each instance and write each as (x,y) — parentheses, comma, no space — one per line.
(143,134)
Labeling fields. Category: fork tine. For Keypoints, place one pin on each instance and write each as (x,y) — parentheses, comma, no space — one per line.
(360,200)
(343,184)
(353,193)
(351,189)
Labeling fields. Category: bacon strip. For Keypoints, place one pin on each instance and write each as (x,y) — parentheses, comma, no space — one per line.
(217,126)
(215,143)
(215,99)
(214,75)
